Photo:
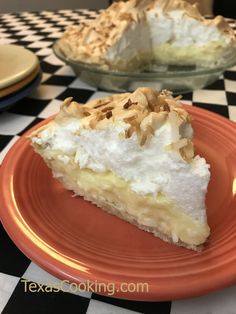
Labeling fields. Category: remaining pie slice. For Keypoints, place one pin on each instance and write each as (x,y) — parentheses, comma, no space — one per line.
(130,35)
(132,155)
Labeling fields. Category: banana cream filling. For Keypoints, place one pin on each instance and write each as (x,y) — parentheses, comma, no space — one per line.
(193,54)
(157,212)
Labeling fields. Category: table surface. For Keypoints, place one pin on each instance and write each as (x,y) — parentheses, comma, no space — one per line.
(37,31)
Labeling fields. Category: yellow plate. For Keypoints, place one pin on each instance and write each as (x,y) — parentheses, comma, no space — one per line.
(22,83)
(16,63)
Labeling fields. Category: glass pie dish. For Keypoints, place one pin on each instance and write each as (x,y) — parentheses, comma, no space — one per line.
(179,79)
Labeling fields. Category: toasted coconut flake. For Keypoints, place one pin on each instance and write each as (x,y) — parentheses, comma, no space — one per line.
(171,102)
(93,123)
(70,108)
(144,136)
(145,111)
(139,97)
(184,147)
(131,130)
(187,151)
(87,113)
(107,109)
(179,144)
(127,104)
(109,114)
(154,120)
(101,104)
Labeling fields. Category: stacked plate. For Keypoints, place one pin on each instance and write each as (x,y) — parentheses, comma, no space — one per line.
(20,73)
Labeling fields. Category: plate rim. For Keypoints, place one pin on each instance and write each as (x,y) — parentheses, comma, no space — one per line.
(28,248)
(9,100)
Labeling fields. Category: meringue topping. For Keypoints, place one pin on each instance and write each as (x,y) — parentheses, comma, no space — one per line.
(143,111)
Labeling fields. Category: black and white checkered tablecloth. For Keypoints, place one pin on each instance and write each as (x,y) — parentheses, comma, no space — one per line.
(37,31)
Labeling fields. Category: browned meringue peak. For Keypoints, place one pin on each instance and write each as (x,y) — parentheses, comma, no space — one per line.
(171,5)
(192,10)
(93,38)
(145,110)
(222,25)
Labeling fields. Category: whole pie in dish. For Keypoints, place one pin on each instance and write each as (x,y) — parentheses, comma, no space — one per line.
(132,155)
(131,35)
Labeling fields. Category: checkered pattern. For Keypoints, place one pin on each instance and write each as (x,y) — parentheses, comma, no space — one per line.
(37,31)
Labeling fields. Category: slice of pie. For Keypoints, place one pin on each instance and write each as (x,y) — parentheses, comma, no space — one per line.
(131,35)
(132,155)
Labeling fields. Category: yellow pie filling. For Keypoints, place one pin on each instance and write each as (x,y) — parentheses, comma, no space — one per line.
(157,214)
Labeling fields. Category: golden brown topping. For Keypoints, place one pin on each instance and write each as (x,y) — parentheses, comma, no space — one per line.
(107,109)
(130,131)
(109,114)
(144,110)
(86,113)
(101,104)
(127,104)
(187,151)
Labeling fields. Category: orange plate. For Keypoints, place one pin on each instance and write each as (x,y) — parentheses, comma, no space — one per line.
(74,240)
